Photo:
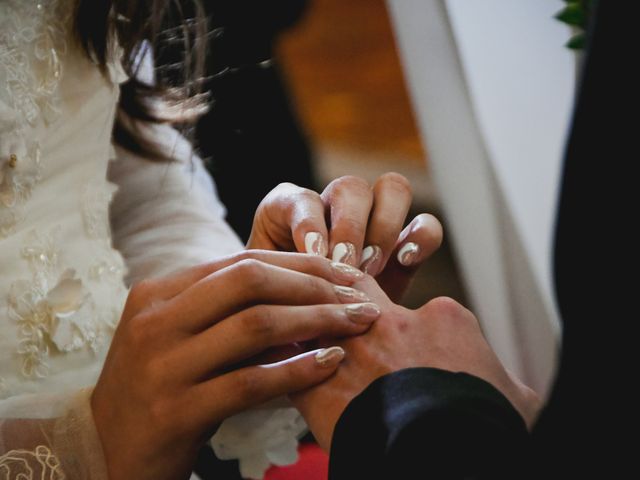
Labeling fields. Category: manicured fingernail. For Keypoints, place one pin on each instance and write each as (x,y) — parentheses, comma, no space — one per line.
(329,357)
(346,272)
(314,243)
(350,295)
(408,254)
(344,252)
(371,257)
(362,312)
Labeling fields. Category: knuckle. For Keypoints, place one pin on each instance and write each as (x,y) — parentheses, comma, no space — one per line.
(445,305)
(259,322)
(249,384)
(447,308)
(307,195)
(283,186)
(282,189)
(141,293)
(396,181)
(350,183)
(278,197)
(244,255)
(250,272)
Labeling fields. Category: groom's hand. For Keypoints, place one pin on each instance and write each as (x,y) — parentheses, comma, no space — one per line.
(353,223)
(442,334)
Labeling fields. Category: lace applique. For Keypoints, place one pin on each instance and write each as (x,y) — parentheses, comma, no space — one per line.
(53,309)
(20,170)
(40,463)
(96,197)
(105,270)
(111,271)
(108,266)
(32,41)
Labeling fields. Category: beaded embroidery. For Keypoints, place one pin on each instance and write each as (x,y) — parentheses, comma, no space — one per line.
(32,42)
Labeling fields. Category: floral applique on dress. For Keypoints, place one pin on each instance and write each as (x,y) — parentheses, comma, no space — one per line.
(53,309)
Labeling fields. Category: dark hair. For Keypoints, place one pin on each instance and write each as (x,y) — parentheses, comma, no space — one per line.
(175,94)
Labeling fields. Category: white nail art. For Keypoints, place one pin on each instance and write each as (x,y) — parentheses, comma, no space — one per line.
(344,252)
(350,295)
(367,253)
(329,356)
(313,243)
(346,272)
(363,313)
(408,254)
(371,257)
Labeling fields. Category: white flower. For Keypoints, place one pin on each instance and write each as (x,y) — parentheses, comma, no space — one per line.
(64,302)
(54,315)
(260,438)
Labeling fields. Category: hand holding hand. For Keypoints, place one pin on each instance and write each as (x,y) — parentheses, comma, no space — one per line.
(441,334)
(353,223)
(172,374)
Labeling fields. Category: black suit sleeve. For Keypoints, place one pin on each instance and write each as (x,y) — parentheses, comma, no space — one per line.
(429,423)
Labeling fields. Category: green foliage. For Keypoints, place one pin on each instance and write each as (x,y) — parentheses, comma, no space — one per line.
(576,14)
(573,15)
(577,42)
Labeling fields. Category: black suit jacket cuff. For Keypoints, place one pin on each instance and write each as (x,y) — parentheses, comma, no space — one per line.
(429,423)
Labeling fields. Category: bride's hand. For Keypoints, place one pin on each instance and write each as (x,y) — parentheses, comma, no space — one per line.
(172,375)
(353,223)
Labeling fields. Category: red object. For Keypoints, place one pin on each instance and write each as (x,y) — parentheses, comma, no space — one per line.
(312,465)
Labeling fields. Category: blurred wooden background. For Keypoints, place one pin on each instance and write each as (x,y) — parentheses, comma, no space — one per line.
(347,83)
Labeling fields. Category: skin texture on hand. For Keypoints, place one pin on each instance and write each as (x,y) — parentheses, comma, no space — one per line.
(183,357)
(351,222)
(442,334)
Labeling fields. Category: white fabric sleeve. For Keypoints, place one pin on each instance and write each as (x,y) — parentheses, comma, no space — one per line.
(50,437)
(165,217)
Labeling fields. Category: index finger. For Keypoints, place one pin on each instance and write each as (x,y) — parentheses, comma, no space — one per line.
(291,279)
(308,224)
(349,200)
(167,287)
(291,217)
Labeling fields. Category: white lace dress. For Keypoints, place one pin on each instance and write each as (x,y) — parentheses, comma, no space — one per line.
(63,275)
